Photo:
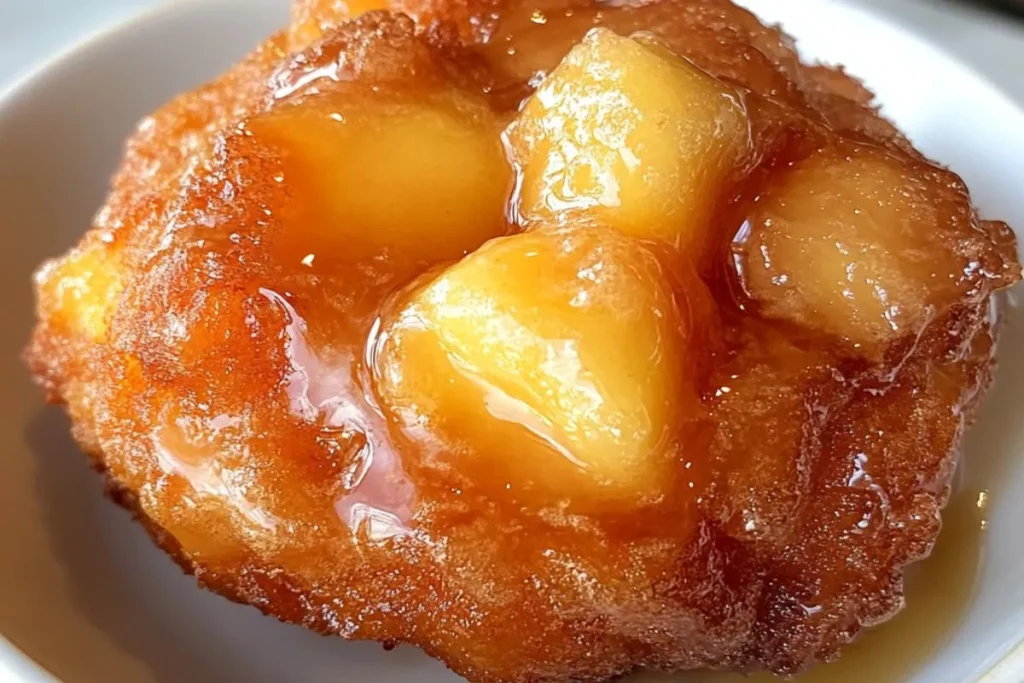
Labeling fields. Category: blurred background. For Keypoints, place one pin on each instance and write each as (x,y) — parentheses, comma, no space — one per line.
(1015,7)
(986,34)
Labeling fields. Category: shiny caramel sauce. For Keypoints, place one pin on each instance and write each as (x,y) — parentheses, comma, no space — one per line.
(937,593)
(557,352)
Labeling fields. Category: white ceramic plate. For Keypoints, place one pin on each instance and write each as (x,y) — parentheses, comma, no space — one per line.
(87,598)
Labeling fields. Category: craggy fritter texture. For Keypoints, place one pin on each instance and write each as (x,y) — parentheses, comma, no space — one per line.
(217,340)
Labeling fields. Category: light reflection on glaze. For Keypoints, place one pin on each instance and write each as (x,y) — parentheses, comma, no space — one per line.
(206,475)
(379,497)
(300,76)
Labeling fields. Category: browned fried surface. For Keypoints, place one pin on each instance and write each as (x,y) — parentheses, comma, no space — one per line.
(221,379)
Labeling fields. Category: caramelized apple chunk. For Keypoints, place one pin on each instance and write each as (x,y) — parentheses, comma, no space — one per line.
(82,289)
(857,244)
(556,355)
(416,175)
(632,136)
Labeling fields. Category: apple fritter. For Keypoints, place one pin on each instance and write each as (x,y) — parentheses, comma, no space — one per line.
(558,339)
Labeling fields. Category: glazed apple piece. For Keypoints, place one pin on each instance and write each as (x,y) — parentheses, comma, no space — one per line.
(82,289)
(632,136)
(372,173)
(552,361)
(857,244)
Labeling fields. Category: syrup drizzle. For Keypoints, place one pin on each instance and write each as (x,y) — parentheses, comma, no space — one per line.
(379,500)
